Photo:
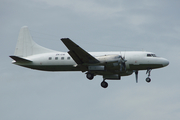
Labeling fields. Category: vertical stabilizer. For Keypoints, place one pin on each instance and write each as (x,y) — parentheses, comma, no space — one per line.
(26,46)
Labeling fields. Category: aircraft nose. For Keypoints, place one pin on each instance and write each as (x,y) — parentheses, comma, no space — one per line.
(165,62)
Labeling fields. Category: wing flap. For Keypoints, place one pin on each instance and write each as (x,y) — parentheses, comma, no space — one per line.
(79,55)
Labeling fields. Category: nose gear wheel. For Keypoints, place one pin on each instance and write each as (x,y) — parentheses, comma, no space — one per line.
(148,79)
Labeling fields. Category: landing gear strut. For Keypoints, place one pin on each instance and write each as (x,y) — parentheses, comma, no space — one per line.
(148,72)
(104,84)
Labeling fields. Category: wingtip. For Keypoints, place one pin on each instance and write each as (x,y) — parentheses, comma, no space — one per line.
(65,39)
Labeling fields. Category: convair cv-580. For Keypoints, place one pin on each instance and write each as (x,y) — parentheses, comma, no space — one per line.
(110,65)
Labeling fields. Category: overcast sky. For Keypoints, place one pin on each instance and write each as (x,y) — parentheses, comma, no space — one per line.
(96,25)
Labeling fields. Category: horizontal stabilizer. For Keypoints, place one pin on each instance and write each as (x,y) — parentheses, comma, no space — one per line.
(19,59)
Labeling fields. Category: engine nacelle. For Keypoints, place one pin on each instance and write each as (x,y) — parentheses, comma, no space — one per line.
(112,77)
(96,68)
(108,58)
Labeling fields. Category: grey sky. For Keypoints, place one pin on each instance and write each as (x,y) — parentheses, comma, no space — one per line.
(96,25)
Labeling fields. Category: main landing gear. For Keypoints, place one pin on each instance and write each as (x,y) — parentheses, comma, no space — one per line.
(90,76)
(104,84)
(148,72)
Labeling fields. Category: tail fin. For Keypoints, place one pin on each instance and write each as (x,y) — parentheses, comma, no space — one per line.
(26,46)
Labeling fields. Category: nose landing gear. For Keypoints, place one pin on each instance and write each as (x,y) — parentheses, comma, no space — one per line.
(148,79)
(148,72)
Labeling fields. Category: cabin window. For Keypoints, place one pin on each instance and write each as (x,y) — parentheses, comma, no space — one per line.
(50,58)
(68,58)
(62,58)
(56,58)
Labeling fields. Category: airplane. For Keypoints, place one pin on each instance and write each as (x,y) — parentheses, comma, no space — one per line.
(109,65)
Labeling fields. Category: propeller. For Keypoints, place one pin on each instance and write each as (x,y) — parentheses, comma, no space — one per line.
(136,74)
(122,63)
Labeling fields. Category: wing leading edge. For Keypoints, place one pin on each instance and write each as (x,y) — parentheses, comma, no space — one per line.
(79,55)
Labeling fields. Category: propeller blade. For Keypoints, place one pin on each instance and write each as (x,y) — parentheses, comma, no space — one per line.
(136,73)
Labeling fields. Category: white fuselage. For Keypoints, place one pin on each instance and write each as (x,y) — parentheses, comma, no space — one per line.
(62,61)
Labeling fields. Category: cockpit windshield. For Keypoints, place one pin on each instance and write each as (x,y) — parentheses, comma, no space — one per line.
(151,55)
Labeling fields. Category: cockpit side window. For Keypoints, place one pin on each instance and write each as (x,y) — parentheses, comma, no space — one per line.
(148,55)
(153,55)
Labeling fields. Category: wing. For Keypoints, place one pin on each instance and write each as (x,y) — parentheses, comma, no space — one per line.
(79,55)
